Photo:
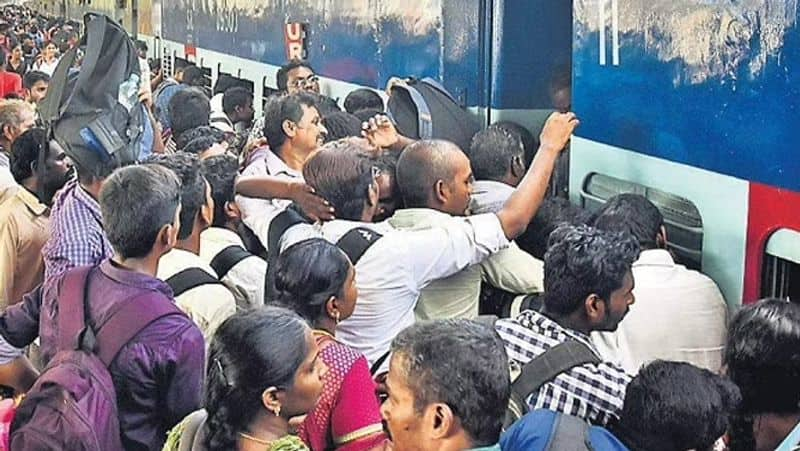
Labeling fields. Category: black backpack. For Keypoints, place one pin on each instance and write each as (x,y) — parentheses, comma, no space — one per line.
(94,113)
(542,369)
(354,243)
(423,109)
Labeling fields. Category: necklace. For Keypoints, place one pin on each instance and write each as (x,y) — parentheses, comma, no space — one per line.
(323,333)
(256,439)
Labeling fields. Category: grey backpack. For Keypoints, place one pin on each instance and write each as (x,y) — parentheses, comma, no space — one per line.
(94,113)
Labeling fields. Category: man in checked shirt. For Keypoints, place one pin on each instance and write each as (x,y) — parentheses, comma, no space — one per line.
(588,287)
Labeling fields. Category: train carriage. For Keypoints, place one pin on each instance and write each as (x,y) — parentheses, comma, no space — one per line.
(691,103)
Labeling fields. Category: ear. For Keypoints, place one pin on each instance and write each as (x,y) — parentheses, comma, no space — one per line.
(167,237)
(517,167)
(330,307)
(372,195)
(441,191)
(232,211)
(270,399)
(661,237)
(442,421)
(595,308)
(289,128)
(8,132)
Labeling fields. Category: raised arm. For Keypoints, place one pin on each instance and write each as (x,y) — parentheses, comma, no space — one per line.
(522,205)
(270,187)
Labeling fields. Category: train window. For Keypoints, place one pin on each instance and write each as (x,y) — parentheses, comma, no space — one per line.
(780,274)
(681,217)
(230,81)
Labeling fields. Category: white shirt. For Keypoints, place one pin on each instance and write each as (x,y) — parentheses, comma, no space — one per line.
(391,274)
(679,314)
(207,305)
(458,296)
(489,196)
(246,278)
(257,213)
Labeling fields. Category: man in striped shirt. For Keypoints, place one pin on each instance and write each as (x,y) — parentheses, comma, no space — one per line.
(588,286)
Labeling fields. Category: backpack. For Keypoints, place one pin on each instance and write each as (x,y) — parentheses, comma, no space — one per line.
(73,404)
(423,109)
(542,369)
(354,243)
(227,258)
(94,113)
(546,430)
(189,278)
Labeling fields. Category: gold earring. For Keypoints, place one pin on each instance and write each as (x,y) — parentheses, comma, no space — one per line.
(278,410)
(336,316)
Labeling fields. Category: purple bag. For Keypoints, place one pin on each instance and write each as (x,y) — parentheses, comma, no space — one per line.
(73,404)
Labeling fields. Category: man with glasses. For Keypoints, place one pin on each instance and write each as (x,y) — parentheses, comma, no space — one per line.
(293,128)
(297,76)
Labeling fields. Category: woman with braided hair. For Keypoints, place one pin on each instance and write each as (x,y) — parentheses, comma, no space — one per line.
(263,369)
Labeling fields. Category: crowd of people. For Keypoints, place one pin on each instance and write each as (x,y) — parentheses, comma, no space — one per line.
(325,282)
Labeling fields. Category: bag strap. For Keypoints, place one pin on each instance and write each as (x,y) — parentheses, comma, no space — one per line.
(357,241)
(373,370)
(278,226)
(545,367)
(72,308)
(229,257)
(568,434)
(50,109)
(424,119)
(124,324)
(189,278)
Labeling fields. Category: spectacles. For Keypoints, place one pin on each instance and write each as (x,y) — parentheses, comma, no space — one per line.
(302,83)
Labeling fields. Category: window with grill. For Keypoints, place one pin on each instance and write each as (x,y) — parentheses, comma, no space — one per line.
(681,217)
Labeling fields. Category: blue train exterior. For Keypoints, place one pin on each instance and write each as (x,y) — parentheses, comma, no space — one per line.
(693,101)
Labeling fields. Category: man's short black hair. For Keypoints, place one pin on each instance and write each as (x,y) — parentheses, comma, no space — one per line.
(530,142)
(193,187)
(553,212)
(762,356)
(675,405)
(282,77)
(631,213)
(208,133)
(491,152)
(220,171)
(361,99)
(581,261)
(136,202)
(31,78)
(325,105)
(367,114)
(193,76)
(420,166)
(342,174)
(460,363)
(25,153)
(236,96)
(341,125)
(188,108)
(280,108)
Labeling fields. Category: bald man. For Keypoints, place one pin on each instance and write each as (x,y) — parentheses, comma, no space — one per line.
(435,181)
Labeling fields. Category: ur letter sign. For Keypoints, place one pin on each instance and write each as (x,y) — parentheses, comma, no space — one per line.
(295,37)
